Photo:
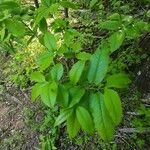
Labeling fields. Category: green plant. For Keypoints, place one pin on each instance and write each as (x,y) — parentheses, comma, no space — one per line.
(142,125)
(80,84)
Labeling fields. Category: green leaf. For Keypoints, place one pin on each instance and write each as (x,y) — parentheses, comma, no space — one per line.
(49,94)
(119,80)
(85,119)
(113,105)
(37,77)
(57,72)
(141,26)
(63,96)
(114,16)
(36,91)
(93,2)
(102,120)
(67,4)
(50,41)
(131,32)
(8,5)
(62,117)
(73,125)
(45,59)
(15,27)
(83,56)
(110,25)
(116,40)
(43,25)
(44,12)
(76,94)
(76,71)
(98,66)
(148,13)
(41,13)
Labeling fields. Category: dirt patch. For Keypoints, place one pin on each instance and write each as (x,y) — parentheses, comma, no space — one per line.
(15,134)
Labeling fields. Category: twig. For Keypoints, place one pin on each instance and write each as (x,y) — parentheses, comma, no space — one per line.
(134,130)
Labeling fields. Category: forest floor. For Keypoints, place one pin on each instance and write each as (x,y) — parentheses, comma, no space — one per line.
(15,133)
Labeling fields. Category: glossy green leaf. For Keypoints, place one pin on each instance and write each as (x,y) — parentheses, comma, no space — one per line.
(85,119)
(102,120)
(98,66)
(119,80)
(116,40)
(45,59)
(76,94)
(15,27)
(50,41)
(57,72)
(37,77)
(49,94)
(113,105)
(73,125)
(76,71)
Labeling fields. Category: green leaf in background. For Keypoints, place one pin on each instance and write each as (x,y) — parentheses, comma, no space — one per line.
(102,120)
(76,71)
(62,117)
(46,2)
(93,2)
(119,80)
(36,91)
(116,40)
(115,16)
(141,26)
(41,13)
(73,125)
(113,105)
(98,66)
(148,13)
(2,33)
(110,25)
(67,4)
(8,5)
(45,59)
(57,72)
(15,27)
(85,119)
(49,94)
(63,96)
(76,94)
(83,56)
(44,12)
(50,41)
(131,32)
(37,77)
